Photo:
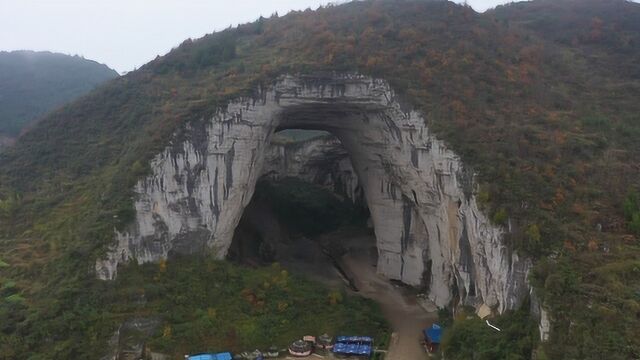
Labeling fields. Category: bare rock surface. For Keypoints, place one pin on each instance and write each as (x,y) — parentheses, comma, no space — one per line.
(429,229)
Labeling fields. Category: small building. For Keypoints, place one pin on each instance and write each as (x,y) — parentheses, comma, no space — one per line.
(354,346)
(310,339)
(210,356)
(325,342)
(432,338)
(300,348)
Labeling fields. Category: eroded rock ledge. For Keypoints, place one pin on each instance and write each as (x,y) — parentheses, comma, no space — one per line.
(321,160)
(428,227)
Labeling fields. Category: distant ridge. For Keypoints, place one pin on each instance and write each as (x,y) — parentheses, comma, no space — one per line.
(540,98)
(33,83)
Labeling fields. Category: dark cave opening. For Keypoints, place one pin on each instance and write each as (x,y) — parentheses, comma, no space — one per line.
(306,200)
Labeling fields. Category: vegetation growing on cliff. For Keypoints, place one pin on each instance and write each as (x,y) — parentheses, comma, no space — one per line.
(540,97)
(469,337)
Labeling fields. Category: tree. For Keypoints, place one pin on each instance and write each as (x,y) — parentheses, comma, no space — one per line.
(533,237)
(631,205)
(631,209)
(634,224)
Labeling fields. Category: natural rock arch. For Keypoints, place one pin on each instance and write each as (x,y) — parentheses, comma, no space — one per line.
(428,227)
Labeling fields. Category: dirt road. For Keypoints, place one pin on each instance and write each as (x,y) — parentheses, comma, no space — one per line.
(400,308)
(406,316)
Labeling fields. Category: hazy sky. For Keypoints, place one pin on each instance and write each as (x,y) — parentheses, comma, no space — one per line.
(125,34)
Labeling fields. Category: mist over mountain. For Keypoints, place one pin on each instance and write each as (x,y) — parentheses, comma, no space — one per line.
(34,83)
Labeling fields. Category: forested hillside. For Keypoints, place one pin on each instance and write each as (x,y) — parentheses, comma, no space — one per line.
(33,83)
(539,97)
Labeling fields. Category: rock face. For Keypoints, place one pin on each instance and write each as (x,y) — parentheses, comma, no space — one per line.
(321,160)
(128,341)
(541,315)
(428,227)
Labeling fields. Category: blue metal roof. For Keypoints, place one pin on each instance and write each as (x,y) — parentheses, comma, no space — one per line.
(211,356)
(352,349)
(354,339)
(434,333)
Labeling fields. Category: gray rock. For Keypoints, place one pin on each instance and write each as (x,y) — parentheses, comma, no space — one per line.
(429,229)
(128,341)
(321,160)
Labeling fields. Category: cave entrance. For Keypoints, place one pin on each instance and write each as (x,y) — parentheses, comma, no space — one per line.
(429,231)
(308,210)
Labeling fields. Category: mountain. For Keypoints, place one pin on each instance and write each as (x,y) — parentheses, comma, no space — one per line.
(526,116)
(34,83)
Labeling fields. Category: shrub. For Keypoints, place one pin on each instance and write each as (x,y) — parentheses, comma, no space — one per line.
(500,217)
(631,205)
(471,338)
(631,209)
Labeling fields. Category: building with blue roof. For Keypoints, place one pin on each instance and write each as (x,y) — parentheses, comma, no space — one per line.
(359,339)
(361,346)
(211,356)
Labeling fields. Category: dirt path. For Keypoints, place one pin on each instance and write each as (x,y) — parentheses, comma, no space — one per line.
(401,309)
(406,316)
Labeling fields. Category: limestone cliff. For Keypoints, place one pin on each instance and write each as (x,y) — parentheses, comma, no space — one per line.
(429,229)
(320,160)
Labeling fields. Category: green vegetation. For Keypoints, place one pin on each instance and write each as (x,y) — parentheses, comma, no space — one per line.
(34,83)
(540,97)
(469,337)
(293,135)
(595,311)
(203,304)
(215,305)
(632,212)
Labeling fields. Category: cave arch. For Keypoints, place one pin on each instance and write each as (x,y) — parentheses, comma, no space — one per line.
(427,224)
(306,200)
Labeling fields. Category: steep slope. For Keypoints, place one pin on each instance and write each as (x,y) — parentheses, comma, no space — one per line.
(34,83)
(550,127)
(593,293)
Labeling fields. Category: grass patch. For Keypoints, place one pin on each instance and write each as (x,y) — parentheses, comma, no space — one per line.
(469,337)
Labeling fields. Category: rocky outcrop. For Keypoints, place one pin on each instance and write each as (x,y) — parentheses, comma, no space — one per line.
(541,315)
(320,160)
(128,341)
(429,229)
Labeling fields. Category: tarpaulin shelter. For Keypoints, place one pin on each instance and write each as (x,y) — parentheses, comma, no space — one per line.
(432,337)
(354,346)
(211,356)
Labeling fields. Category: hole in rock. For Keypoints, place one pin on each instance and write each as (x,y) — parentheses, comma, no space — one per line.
(308,211)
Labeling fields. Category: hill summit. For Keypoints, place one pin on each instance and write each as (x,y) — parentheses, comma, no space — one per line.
(524,118)
(34,83)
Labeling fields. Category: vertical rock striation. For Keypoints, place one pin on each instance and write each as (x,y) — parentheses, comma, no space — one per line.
(320,160)
(428,227)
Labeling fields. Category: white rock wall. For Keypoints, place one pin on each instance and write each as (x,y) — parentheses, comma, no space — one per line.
(321,160)
(428,226)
